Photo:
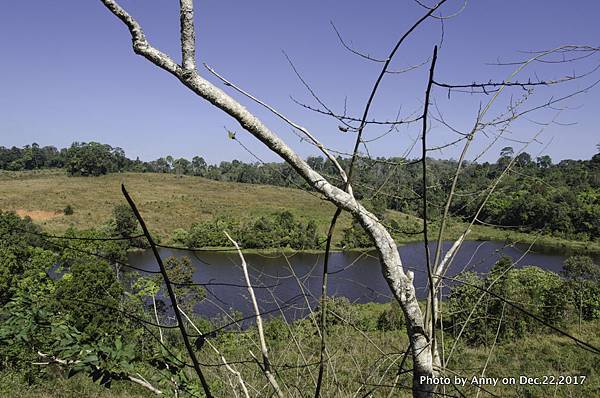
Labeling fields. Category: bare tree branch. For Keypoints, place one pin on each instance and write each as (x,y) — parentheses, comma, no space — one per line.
(296,126)
(380,78)
(138,380)
(266,364)
(431,330)
(188,35)
(354,119)
(170,291)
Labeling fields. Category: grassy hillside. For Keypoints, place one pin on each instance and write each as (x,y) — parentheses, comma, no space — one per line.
(168,202)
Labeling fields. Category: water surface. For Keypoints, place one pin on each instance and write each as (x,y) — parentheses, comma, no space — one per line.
(293,282)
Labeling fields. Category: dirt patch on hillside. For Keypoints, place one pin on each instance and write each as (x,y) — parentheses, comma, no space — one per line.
(38,215)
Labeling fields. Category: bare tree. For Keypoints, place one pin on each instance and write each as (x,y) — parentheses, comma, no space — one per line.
(399,281)
(420,328)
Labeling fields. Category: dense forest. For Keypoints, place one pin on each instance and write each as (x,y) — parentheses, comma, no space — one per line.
(535,195)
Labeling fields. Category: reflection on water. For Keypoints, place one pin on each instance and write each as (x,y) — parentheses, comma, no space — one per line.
(294,283)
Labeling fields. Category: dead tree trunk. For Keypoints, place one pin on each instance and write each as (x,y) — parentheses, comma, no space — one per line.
(400,283)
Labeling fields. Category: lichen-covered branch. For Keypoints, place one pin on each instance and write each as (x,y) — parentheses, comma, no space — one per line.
(188,35)
(399,282)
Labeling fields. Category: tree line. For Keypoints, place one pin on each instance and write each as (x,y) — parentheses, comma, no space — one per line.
(536,194)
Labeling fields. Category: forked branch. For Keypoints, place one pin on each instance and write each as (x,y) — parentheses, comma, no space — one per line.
(400,283)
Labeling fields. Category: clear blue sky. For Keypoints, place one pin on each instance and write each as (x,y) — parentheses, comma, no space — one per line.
(68,72)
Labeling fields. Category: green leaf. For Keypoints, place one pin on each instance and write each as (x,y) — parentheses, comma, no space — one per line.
(91,359)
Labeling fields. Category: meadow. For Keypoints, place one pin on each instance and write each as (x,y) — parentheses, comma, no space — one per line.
(169,202)
(166,201)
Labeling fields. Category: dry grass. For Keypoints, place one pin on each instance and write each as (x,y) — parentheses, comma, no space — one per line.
(166,201)
(169,202)
(38,215)
(58,386)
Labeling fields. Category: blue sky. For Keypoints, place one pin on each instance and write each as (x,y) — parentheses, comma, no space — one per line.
(68,73)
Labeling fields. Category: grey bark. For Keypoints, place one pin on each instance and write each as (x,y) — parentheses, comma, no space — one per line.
(400,283)
(188,35)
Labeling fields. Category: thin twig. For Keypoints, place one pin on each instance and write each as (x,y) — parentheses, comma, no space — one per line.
(170,291)
(266,364)
(431,330)
(212,346)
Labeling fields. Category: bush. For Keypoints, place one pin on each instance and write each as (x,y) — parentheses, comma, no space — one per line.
(15,251)
(539,292)
(581,268)
(280,230)
(90,294)
(339,312)
(181,236)
(181,274)
(125,222)
(464,306)
(277,330)
(391,318)
(210,233)
(535,290)
(583,283)
(355,237)
(68,210)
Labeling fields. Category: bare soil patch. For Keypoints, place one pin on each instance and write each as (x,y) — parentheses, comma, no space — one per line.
(38,215)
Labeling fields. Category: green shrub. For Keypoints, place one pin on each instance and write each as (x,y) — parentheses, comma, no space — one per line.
(535,291)
(181,274)
(126,223)
(181,236)
(15,251)
(355,237)
(391,318)
(277,330)
(339,312)
(279,230)
(583,283)
(90,294)
(466,310)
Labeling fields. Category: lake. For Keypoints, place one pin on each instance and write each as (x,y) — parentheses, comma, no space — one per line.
(293,282)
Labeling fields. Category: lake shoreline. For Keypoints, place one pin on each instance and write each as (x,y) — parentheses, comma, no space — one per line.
(293,279)
(538,243)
